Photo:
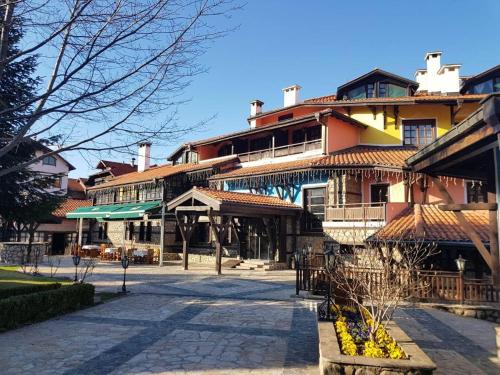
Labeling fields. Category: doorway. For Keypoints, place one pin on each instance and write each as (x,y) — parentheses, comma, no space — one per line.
(379,193)
(58,243)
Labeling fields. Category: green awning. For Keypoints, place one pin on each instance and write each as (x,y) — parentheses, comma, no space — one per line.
(90,212)
(134,210)
(115,211)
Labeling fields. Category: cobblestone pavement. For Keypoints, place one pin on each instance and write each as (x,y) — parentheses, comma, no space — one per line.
(243,322)
(174,322)
(456,344)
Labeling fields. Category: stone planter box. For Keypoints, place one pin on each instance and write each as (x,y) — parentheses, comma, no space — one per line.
(333,362)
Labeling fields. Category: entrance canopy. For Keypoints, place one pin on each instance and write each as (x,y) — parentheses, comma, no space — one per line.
(115,211)
(221,208)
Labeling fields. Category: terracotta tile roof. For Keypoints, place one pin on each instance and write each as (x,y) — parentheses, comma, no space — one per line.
(162,171)
(368,156)
(438,225)
(70,205)
(416,98)
(117,168)
(358,156)
(247,198)
(268,168)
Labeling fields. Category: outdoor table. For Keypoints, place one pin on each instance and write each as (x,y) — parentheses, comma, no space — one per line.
(110,250)
(90,247)
(140,255)
(90,250)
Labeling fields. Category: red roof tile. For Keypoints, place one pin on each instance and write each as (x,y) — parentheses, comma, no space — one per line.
(247,198)
(75,185)
(331,99)
(438,225)
(368,156)
(269,168)
(117,168)
(162,171)
(70,205)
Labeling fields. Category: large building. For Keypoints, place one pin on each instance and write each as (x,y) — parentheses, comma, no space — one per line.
(340,158)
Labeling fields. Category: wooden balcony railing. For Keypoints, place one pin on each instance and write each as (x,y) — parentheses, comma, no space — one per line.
(357,212)
(293,149)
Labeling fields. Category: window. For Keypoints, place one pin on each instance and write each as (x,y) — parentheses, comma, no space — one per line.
(476,192)
(288,116)
(388,90)
(103,231)
(314,207)
(313,133)
(419,132)
(49,160)
(130,231)
(149,230)
(141,231)
(362,92)
(379,193)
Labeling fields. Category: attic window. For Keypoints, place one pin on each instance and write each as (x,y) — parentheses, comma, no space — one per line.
(285,117)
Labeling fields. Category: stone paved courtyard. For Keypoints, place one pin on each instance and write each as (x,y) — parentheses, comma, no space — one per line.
(177,322)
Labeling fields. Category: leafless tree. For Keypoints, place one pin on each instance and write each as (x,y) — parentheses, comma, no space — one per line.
(378,277)
(112,71)
(86,268)
(54,262)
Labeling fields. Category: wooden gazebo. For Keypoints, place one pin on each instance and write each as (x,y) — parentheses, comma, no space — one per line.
(224,209)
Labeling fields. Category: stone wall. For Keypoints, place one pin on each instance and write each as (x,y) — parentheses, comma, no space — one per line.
(489,313)
(15,252)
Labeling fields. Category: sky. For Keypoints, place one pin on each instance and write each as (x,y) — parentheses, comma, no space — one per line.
(321,44)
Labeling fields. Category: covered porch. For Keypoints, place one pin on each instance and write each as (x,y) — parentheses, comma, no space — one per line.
(116,232)
(229,216)
(470,151)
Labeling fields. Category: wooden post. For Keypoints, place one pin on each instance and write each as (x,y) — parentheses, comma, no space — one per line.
(162,235)
(493,229)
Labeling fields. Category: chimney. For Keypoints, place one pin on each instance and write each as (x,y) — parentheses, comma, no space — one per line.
(291,95)
(419,221)
(132,162)
(437,78)
(144,157)
(255,109)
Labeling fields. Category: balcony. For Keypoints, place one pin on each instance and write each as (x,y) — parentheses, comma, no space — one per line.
(293,149)
(357,212)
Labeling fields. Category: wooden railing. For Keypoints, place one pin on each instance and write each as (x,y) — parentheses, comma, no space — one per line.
(426,286)
(293,149)
(357,212)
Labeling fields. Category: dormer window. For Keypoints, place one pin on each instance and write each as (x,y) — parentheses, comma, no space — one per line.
(49,160)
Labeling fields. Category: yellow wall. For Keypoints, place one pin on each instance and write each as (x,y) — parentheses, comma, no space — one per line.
(377,135)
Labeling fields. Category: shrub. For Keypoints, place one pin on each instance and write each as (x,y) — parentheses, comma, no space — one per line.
(27,289)
(35,307)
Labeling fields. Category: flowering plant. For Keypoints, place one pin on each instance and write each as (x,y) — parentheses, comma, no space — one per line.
(355,336)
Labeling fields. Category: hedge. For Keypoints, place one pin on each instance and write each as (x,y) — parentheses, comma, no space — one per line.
(29,308)
(27,289)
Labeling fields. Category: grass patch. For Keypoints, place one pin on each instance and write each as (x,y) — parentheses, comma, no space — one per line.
(10,278)
(107,296)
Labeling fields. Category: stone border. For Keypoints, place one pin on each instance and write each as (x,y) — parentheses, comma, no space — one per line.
(332,362)
(483,312)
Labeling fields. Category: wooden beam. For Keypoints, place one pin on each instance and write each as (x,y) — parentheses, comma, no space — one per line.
(373,109)
(493,224)
(396,116)
(466,227)
(385,116)
(192,208)
(468,207)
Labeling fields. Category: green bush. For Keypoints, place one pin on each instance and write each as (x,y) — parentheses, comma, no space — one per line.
(27,289)
(35,307)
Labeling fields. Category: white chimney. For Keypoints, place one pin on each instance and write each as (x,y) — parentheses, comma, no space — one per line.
(144,158)
(437,78)
(255,109)
(291,95)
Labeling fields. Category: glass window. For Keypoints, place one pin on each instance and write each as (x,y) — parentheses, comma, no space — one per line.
(476,192)
(485,87)
(141,231)
(379,193)
(288,116)
(370,90)
(382,88)
(314,207)
(496,84)
(419,132)
(357,93)
(394,91)
(149,229)
(49,160)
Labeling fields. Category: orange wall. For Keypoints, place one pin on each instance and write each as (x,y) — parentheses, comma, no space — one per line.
(456,188)
(341,135)
(297,112)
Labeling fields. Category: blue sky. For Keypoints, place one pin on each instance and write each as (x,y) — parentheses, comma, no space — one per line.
(320,45)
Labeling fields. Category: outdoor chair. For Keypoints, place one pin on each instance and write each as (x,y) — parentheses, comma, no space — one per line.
(118,254)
